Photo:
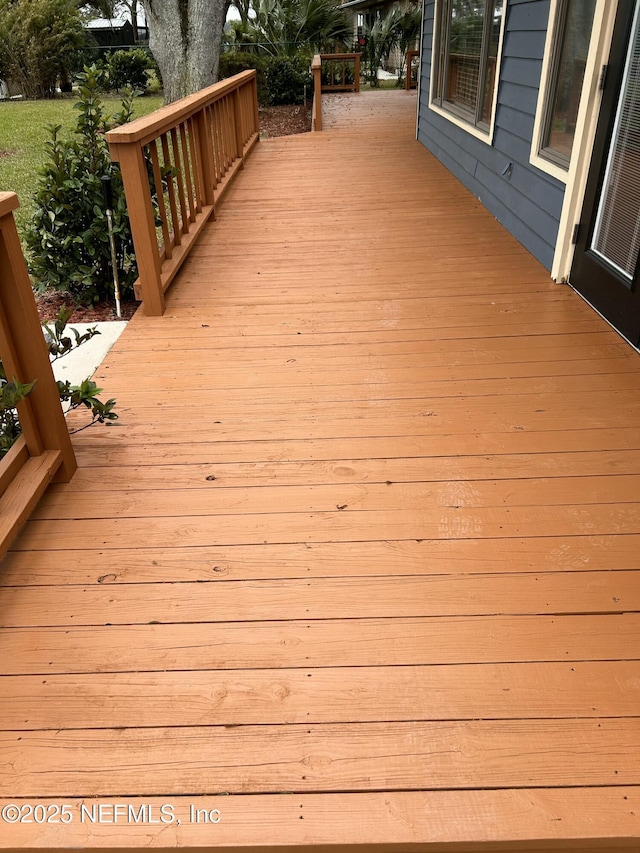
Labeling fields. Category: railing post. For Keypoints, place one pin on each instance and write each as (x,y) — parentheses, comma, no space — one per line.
(356,71)
(143,230)
(237,120)
(24,351)
(256,113)
(316,68)
(205,145)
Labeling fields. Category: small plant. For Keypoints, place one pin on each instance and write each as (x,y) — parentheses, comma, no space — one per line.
(11,393)
(84,395)
(67,237)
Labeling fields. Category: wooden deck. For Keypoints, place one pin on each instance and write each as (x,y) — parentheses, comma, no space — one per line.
(359,566)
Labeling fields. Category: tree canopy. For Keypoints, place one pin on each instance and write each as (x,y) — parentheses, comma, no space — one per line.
(38,40)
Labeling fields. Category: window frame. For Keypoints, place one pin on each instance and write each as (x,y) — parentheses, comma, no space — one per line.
(456,115)
(556,166)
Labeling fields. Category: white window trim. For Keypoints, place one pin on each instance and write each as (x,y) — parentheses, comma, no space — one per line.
(535,158)
(482,135)
(586,125)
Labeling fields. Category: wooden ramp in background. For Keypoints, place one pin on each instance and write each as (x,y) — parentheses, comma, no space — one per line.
(359,565)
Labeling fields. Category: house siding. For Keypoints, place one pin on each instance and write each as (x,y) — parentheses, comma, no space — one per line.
(529,202)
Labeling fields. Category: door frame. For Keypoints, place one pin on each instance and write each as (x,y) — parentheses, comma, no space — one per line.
(586,125)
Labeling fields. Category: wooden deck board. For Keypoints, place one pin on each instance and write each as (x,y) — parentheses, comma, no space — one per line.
(359,564)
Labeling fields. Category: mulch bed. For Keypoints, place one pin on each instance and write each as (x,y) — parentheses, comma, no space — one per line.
(274,121)
(49,304)
(284,121)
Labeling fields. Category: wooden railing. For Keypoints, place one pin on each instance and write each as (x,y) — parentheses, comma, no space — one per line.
(43,452)
(336,68)
(411,81)
(176,164)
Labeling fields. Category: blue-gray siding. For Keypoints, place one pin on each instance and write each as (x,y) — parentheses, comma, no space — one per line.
(528,202)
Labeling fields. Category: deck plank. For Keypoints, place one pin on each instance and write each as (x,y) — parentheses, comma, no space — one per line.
(331,695)
(363,548)
(320,643)
(321,758)
(323,598)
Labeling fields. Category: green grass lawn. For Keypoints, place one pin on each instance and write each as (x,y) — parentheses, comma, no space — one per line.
(23,132)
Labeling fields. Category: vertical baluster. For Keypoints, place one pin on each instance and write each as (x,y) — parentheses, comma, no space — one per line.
(204,147)
(244,113)
(187,172)
(175,147)
(162,210)
(215,143)
(230,133)
(237,126)
(254,104)
(171,190)
(223,133)
(196,163)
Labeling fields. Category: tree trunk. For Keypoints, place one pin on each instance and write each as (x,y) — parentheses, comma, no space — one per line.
(184,37)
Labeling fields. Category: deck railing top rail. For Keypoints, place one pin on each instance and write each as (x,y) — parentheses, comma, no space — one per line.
(142,130)
(176,163)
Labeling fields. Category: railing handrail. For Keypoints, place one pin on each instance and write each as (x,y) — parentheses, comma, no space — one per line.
(8,203)
(44,449)
(176,164)
(338,55)
(146,128)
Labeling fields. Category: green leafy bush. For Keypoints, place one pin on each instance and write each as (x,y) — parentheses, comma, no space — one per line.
(84,395)
(67,238)
(129,68)
(38,43)
(234,61)
(287,78)
(12,392)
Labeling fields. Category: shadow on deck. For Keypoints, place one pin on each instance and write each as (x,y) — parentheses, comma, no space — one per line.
(359,564)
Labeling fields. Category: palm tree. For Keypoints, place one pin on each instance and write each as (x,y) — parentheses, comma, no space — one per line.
(381,37)
(284,26)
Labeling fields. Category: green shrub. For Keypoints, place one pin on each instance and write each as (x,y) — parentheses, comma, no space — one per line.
(76,396)
(288,77)
(129,68)
(67,237)
(11,393)
(234,61)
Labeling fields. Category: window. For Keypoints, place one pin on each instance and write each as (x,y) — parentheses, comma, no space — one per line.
(467,39)
(571,36)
